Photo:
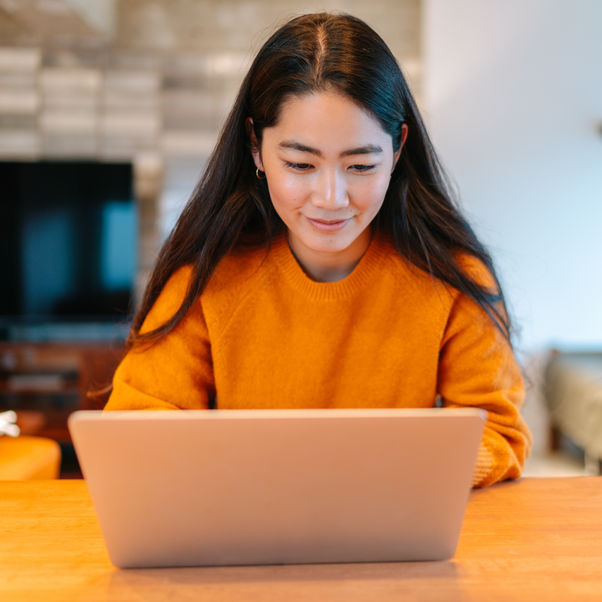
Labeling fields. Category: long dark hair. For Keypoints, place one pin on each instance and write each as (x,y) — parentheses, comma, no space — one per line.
(231,207)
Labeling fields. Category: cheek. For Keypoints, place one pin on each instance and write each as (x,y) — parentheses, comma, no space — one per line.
(286,191)
(369,194)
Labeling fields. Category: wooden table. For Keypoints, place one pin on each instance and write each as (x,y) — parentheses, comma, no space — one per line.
(536,539)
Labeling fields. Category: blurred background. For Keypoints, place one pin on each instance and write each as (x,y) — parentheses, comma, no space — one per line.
(110,108)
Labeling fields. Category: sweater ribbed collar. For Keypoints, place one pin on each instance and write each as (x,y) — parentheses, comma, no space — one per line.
(378,253)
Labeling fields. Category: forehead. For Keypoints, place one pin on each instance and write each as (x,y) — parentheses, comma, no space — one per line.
(326,120)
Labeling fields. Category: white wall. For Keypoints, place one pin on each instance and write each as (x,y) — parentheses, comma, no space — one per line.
(513,100)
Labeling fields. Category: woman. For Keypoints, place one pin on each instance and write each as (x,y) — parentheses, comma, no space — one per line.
(320,261)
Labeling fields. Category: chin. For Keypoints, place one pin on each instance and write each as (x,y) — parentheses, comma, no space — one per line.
(332,243)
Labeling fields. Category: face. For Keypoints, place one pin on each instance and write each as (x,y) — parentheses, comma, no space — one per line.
(328,164)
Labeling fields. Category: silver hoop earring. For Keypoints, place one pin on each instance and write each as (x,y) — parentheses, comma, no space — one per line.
(260,174)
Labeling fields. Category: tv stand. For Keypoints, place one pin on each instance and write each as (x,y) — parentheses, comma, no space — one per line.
(44,382)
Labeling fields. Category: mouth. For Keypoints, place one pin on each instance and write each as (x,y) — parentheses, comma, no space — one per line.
(328,225)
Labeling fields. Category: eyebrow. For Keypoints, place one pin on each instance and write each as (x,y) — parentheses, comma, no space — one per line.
(368,149)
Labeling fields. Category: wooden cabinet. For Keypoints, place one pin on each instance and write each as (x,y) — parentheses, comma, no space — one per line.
(45,382)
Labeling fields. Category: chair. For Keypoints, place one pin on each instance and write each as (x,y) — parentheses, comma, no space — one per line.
(23,458)
(26,457)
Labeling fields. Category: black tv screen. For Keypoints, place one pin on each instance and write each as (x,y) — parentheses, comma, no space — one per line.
(68,233)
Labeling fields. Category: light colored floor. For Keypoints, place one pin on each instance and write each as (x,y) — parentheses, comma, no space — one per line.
(558,464)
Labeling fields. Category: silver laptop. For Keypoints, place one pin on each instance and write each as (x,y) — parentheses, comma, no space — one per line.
(221,487)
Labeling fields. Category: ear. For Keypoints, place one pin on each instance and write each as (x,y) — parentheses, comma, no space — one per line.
(254,144)
(404,135)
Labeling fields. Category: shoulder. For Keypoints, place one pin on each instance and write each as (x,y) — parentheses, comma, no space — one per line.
(237,276)
(232,271)
(237,270)
(476,270)
(235,273)
(436,293)
(413,279)
(169,300)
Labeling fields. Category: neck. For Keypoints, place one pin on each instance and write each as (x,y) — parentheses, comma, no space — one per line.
(333,266)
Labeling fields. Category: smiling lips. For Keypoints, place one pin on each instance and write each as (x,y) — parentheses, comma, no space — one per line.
(325,225)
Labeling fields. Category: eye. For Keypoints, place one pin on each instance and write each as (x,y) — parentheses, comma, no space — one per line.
(361,168)
(298,166)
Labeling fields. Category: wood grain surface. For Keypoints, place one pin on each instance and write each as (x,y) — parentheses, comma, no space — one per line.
(535,539)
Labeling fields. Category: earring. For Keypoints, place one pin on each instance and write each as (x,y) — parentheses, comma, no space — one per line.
(260,174)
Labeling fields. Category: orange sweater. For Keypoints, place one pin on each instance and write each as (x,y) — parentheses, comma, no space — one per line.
(264,335)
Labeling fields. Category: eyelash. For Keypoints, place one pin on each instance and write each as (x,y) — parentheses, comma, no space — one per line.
(306,166)
(298,166)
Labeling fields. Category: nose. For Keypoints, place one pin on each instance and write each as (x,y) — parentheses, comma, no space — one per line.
(331,190)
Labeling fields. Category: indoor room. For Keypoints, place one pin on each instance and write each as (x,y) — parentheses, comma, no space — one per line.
(110,112)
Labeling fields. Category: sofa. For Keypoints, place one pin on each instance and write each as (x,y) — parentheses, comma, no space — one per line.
(573,394)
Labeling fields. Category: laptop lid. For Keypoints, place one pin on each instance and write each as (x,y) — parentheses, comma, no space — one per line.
(191,488)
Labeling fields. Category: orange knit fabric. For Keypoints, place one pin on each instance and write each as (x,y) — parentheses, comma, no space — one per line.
(264,335)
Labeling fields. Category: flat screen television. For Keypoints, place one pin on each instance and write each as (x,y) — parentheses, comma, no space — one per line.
(68,239)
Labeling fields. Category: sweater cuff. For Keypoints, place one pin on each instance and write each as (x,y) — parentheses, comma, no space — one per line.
(484,465)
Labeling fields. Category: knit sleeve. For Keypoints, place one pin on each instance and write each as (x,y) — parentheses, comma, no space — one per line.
(176,372)
(477,368)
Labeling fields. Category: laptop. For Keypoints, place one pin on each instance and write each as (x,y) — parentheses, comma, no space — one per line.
(231,487)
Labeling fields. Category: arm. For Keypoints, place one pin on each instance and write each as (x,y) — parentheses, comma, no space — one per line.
(176,372)
(477,368)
